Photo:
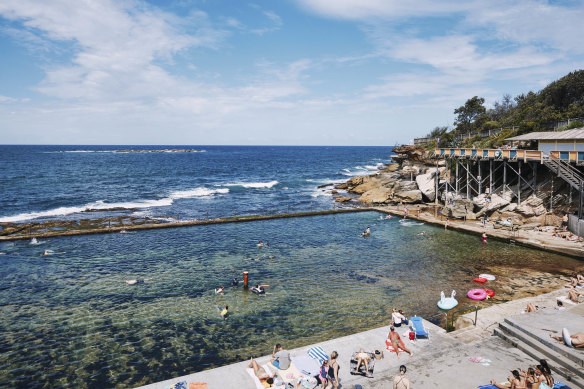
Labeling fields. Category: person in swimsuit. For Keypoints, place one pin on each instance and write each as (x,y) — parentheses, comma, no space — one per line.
(225,312)
(515,381)
(261,373)
(574,295)
(333,373)
(576,339)
(565,222)
(395,342)
(400,381)
(323,374)
(235,282)
(363,358)
(367,232)
(545,374)
(220,290)
(132,282)
(484,238)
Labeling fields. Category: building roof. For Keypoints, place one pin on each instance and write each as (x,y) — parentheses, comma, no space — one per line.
(577,133)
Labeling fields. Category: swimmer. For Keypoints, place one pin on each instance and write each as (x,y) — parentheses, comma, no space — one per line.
(220,290)
(235,282)
(367,232)
(423,233)
(484,238)
(138,281)
(225,312)
(388,217)
(260,244)
(258,289)
(48,252)
(123,232)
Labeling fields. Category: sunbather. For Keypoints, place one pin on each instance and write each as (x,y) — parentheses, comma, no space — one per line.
(261,373)
(574,295)
(515,382)
(363,358)
(576,339)
(531,308)
(395,342)
(544,374)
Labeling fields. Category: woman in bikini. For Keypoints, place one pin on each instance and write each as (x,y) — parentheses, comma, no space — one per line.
(261,373)
(515,382)
(400,381)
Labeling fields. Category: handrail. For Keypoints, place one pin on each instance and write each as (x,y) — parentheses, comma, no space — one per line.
(476,308)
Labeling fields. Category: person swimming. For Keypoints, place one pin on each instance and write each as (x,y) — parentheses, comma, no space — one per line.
(137,281)
(367,232)
(225,312)
(260,244)
(220,290)
(258,289)
(235,282)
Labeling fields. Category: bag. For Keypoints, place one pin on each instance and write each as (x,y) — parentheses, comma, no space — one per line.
(412,335)
(378,354)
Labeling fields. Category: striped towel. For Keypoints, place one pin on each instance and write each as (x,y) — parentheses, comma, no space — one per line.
(318,353)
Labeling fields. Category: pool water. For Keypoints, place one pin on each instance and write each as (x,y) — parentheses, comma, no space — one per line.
(70,320)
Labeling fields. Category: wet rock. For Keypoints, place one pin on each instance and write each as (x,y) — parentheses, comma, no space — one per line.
(324,186)
(342,199)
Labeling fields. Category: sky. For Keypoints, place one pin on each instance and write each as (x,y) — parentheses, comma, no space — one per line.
(279,72)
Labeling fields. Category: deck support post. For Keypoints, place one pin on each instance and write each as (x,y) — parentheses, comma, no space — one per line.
(519,183)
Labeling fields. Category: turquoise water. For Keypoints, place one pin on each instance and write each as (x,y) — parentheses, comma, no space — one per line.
(70,320)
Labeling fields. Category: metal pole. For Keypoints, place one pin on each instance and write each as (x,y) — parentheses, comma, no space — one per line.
(436,179)
(519,183)
(467,182)
(552,195)
(504,177)
(580,202)
(457,183)
(480,178)
(534,164)
(490,176)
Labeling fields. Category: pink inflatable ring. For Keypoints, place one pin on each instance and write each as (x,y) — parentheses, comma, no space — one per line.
(477,294)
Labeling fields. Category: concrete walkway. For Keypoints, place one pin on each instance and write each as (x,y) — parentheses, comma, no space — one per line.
(539,240)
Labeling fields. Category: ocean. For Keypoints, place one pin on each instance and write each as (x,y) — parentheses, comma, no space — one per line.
(42,183)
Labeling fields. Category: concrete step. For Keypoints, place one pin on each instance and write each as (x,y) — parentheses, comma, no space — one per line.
(576,356)
(557,362)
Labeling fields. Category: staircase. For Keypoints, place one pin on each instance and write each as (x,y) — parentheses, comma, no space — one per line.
(565,171)
(530,334)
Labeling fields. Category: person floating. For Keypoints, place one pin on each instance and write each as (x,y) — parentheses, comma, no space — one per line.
(259,289)
(484,238)
(260,244)
(137,281)
(367,232)
(220,290)
(235,282)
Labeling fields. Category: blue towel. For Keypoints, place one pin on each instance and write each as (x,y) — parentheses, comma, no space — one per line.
(489,386)
(559,385)
(318,353)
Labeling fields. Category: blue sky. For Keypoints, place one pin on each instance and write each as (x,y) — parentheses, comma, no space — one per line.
(287,72)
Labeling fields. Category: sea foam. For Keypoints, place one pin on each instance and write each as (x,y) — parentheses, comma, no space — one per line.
(254,185)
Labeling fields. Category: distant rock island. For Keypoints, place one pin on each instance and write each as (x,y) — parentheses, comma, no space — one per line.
(161,151)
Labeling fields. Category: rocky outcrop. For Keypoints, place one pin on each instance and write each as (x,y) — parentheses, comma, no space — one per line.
(427,184)
(408,197)
(460,209)
(343,199)
(376,196)
(533,206)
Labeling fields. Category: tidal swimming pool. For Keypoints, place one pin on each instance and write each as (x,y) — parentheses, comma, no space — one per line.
(70,320)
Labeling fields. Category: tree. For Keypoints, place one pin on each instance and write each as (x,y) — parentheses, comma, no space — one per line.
(468,113)
(438,132)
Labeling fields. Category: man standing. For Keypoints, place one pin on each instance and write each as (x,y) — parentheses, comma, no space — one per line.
(280,357)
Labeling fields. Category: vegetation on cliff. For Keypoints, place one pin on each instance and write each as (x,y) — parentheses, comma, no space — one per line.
(534,111)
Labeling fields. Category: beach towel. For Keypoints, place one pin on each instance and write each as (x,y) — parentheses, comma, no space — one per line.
(179,385)
(390,347)
(318,353)
(559,385)
(489,386)
(259,384)
(290,375)
(198,385)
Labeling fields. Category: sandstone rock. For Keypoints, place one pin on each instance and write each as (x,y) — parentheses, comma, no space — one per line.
(368,184)
(404,186)
(343,185)
(533,206)
(342,199)
(409,196)
(509,208)
(426,184)
(357,180)
(376,196)
(496,202)
(459,210)
(391,167)
(324,186)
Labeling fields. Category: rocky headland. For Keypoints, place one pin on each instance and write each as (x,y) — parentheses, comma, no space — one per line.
(411,179)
